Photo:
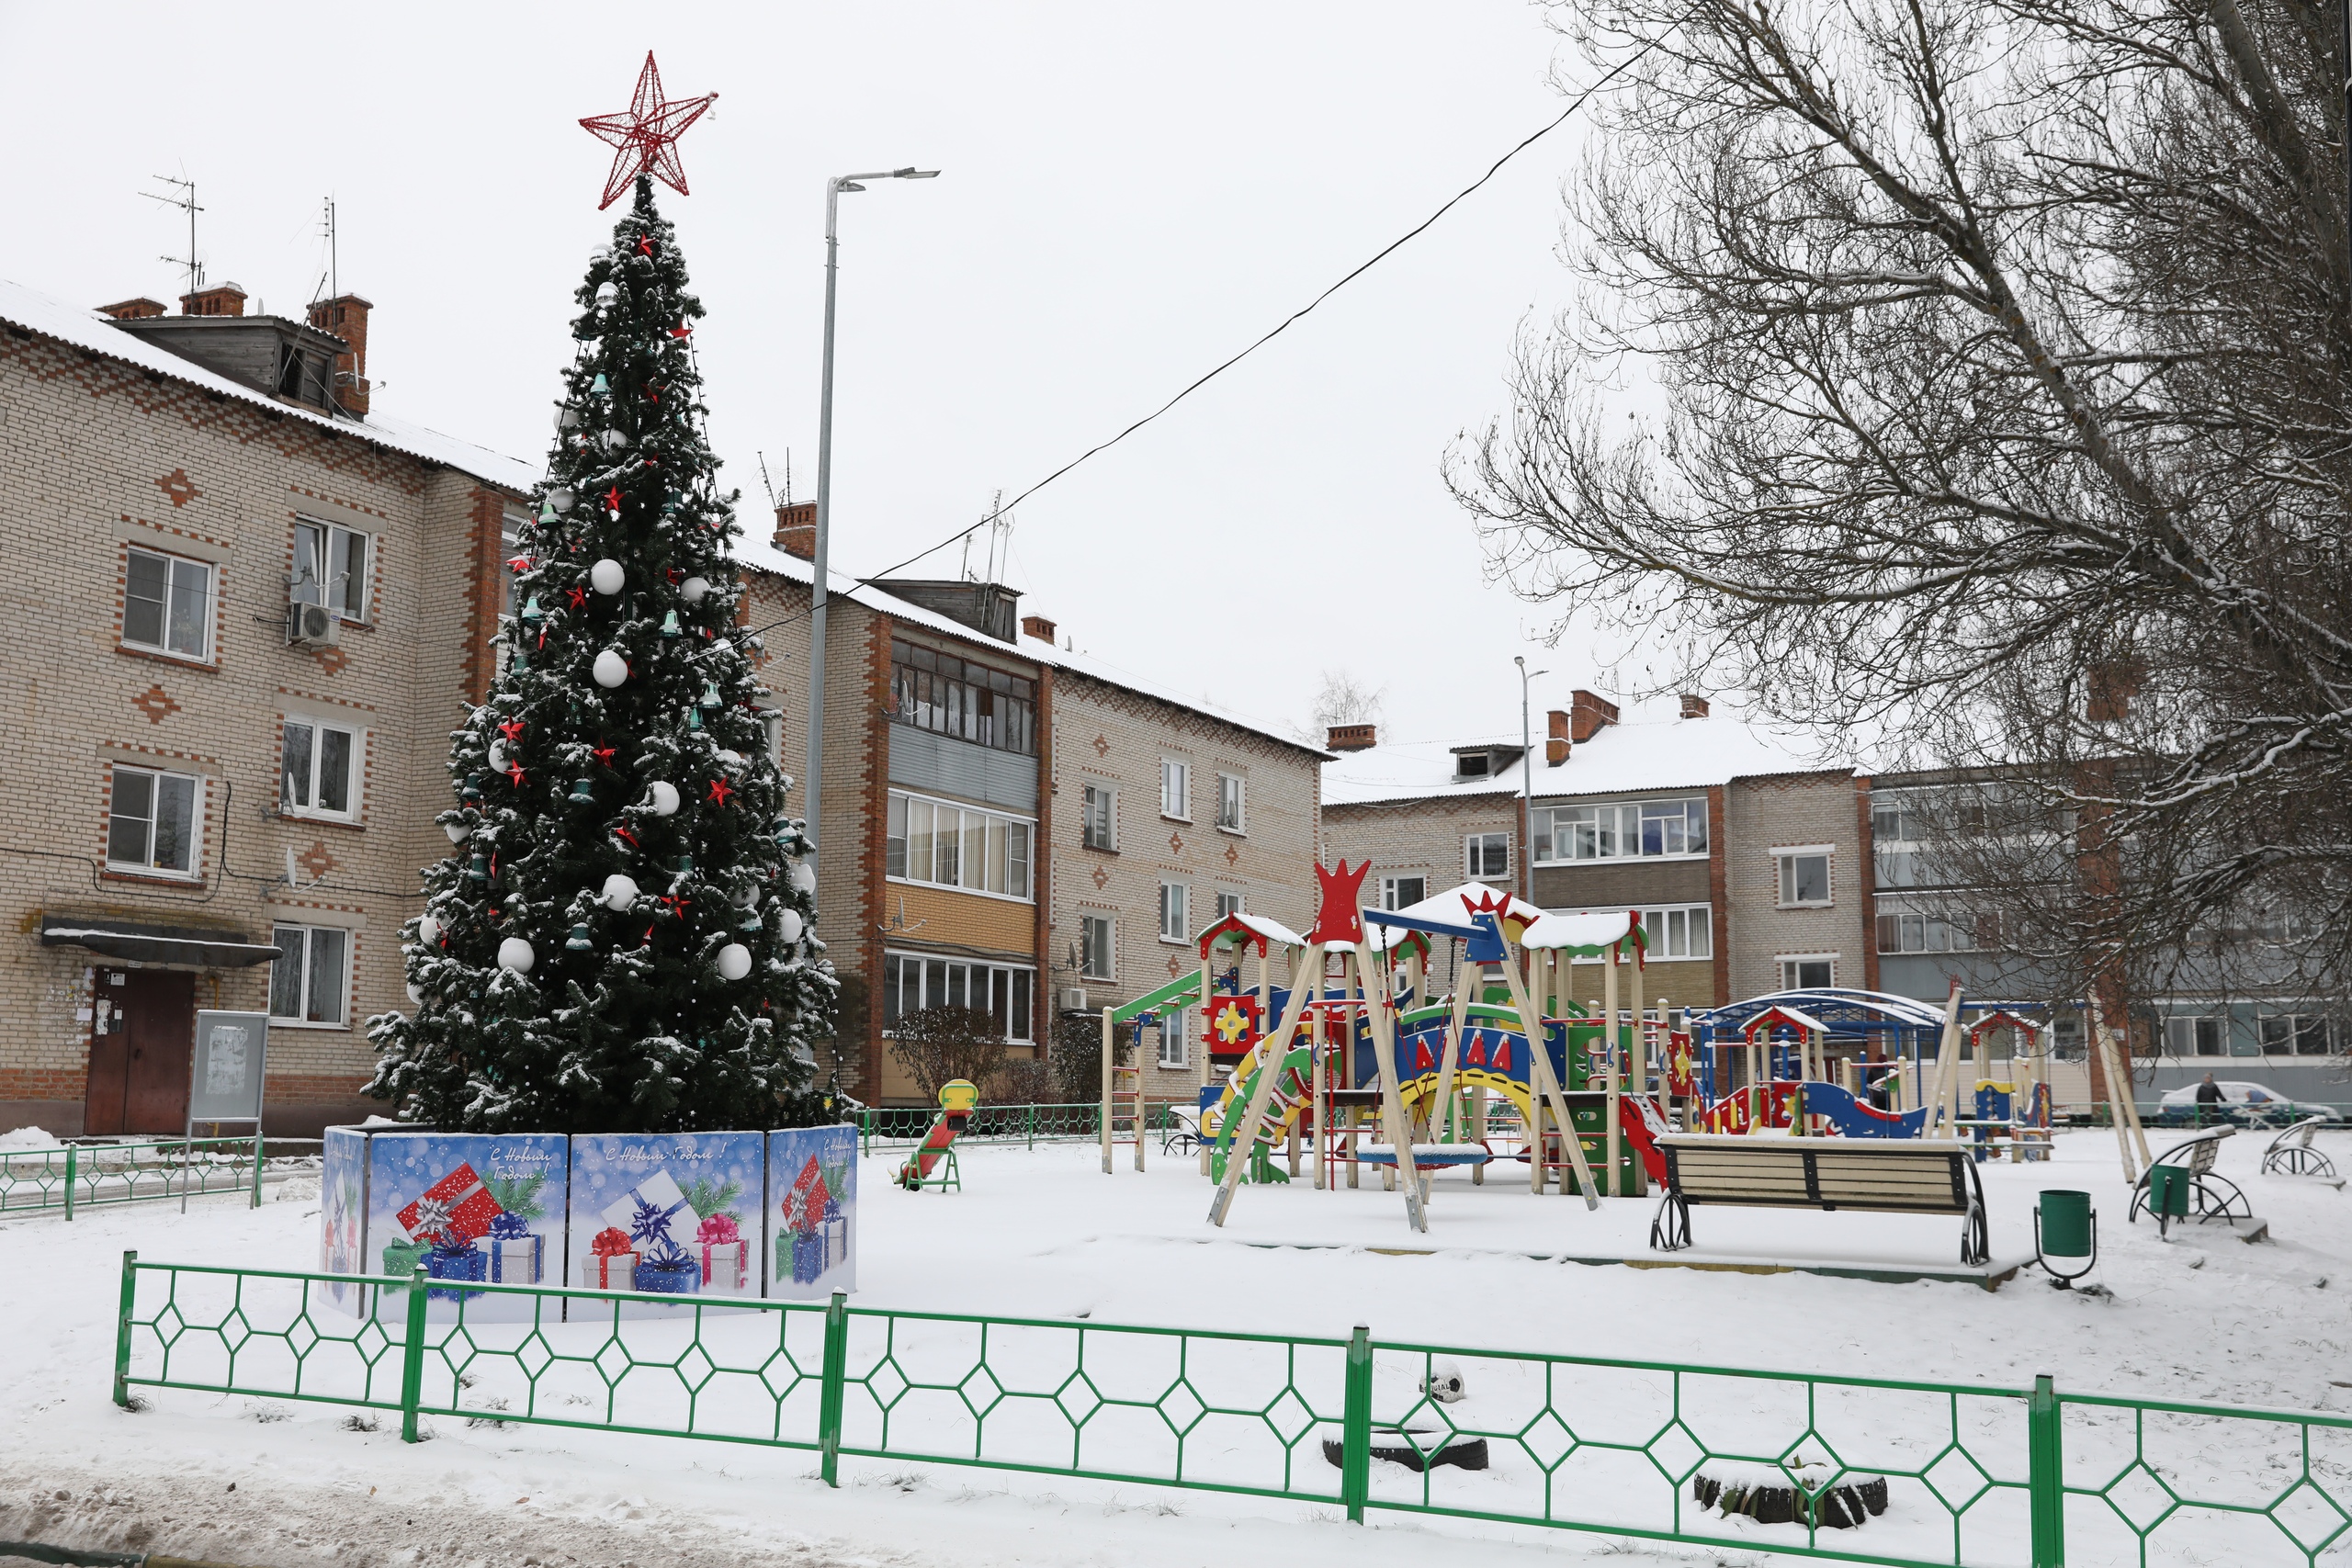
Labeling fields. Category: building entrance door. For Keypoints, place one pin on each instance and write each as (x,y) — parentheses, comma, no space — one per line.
(142,1029)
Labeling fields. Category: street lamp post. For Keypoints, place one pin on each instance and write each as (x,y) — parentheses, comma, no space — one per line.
(810,784)
(1526,783)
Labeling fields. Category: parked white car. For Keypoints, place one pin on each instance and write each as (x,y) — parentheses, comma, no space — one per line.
(2243,1102)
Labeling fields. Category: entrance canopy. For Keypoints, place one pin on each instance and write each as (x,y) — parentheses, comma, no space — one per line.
(205,946)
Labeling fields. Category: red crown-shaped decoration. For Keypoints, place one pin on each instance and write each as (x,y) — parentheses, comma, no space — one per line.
(1339,922)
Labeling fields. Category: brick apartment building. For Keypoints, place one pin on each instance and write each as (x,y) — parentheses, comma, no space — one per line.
(204,785)
(1103,815)
(1686,817)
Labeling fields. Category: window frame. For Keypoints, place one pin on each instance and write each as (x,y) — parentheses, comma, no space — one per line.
(1173,1033)
(1784,859)
(1705,911)
(1019,1015)
(2297,1028)
(1616,831)
(194,870)
(1107,841)
(355,767)
(335,538)
(163,649)
(1175,912)
(2192,1025)
(307,982)
(1470,866)
(898,845)
(1392,901)
(1106,949)
(1230,904)
(1176,804)
(1237,786)
(1783,961)
(964,700)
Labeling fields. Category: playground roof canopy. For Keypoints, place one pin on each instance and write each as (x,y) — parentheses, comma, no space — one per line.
(1454,907)
(1588,935)
(1843,1011)
(1234,925)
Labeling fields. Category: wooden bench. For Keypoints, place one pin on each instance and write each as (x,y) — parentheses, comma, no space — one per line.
(1881,1174)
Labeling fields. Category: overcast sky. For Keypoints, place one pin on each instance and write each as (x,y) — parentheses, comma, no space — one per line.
(1130,193)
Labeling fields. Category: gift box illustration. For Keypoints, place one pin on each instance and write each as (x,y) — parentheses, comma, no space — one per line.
(403,1259)
(458,1206)
(805,1204)
(517,1253)
(611,1263)
(719,1246)
(655,1216)
(461,1261)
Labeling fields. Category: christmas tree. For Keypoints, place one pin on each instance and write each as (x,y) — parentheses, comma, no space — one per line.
(621,938)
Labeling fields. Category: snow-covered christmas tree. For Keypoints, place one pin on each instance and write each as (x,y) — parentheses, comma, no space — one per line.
(620,940)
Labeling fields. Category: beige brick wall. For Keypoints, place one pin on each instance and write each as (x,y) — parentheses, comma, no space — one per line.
(95,456)
(1424,839)
(1113,737)
(1766,816)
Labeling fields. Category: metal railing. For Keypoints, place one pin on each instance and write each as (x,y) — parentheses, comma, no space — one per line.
(893,1127)
(66,1176)
(1953,1472)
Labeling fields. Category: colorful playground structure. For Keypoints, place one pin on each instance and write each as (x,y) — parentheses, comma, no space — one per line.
(959,1098)
(1342,1056)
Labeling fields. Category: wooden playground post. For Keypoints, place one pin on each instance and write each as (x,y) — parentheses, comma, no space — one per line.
(1241,1141)
(1392,1095)
(1319,1105)
(1109,1058)
(1637,1054)
(1541,1082)
(1615,1058)
(2120,1110)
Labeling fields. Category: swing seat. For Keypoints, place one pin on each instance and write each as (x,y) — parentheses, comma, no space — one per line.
(1428,1154)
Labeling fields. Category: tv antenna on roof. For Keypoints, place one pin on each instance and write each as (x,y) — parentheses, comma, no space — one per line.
(185,202)
(330,281)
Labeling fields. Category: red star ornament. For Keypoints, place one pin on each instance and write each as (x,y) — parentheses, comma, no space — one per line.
(681,330)
(719,792)
(603,755)
(511,729)
(515,773)
(613,500)
(579,596)
(644,136)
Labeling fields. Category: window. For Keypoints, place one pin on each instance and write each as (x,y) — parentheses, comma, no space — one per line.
(331,568)
(1903,929)
(1809,972)
(1098,822)
(1096,935)
(1630,829)
(1176,789)
(154,824)
(2295,1035)
(167,605)
(306,985)
(1229,788)
(317,767)
(2196,1036)
(1173,897)
(948,695)
(1805,877)
(1471,765)
(956,846)
(1227,903)
(1487,854)
(1171,1038)
(1397,891)
(1677,931)
(911,982)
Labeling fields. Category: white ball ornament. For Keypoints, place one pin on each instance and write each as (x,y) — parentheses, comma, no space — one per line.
(458,832)
(429,930)
(415,997)
(744,897)
(515,954)
(606,576)
(734,961)
(665,797)
(787,925)
(693,589)
(610,668)
(803,878)
(497,756)
(619,892)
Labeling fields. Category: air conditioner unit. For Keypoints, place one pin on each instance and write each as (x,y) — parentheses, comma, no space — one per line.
(1074,998)
(312,625)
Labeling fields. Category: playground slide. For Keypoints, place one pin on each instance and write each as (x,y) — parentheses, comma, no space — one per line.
(1848,1116)
(957,1112)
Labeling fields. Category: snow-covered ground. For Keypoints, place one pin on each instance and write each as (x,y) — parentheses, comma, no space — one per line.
(1044,1233)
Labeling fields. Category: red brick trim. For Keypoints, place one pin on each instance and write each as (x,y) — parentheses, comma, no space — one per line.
(874,776)
(1041,867)
(486,549)
(1867,876)
(1719,892)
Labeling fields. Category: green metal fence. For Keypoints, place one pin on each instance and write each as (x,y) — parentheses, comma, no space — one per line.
(892,1127)
(68,1177)
(1972,1474)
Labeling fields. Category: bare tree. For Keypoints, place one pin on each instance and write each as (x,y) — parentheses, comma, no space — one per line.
(2005,348)
(938,1045)
(1342,699)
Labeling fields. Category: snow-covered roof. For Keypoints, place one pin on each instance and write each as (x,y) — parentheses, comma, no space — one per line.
(762,554)
(1454,907)
(1652,747)
(1580,934)
(79,327)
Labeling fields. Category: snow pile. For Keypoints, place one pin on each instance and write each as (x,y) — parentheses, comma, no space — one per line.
(27,1138)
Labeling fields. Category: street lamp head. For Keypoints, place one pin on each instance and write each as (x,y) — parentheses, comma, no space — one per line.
(914,174)
(848,185)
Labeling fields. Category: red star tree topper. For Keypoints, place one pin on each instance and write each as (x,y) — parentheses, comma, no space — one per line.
(644,138)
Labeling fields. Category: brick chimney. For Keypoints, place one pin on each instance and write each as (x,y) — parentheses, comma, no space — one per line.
(1693,705)
(795,529)
(1350,737)
(1038,628)
(2110,688)
(224,299)
(1588,713)
(346,316)
(1555,748)
(137,310)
